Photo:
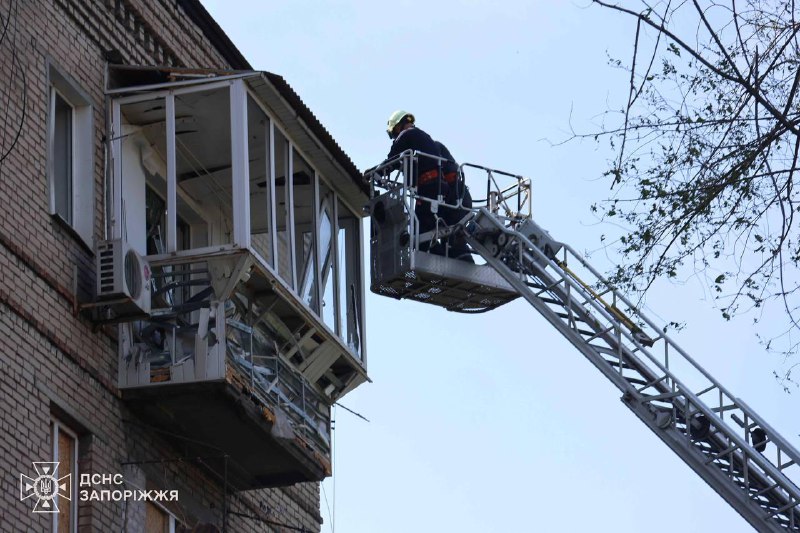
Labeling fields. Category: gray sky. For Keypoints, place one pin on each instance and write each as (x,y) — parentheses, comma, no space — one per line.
(494,422)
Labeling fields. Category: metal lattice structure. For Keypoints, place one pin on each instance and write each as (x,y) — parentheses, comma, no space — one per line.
(748,463)
(724,441)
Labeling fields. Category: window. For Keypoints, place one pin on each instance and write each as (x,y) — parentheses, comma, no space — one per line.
(350,297)
(62,113)
(70,147)
(261,180)
(283,208)
(65,453)
(157,520)
(304,198)
(327,257)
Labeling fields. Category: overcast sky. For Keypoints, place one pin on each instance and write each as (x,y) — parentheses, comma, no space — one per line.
(494,422)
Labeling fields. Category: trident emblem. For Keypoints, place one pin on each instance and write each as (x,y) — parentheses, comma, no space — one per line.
(45,487)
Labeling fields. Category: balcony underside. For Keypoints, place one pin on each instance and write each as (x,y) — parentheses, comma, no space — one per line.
(210,420)
(444,282)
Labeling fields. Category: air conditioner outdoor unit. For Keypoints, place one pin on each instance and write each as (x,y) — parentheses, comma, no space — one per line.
(123,278)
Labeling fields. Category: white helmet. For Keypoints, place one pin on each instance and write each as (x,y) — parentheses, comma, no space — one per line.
(396,118)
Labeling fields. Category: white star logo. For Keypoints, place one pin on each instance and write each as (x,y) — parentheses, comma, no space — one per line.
(45,487)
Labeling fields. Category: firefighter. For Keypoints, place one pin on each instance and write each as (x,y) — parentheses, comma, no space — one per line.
(427,177)
(457,191)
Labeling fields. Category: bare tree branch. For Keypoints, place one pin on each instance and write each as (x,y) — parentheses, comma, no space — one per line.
(706,151)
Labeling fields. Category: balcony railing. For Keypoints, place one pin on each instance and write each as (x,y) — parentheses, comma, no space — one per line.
(426,264)
(254,241)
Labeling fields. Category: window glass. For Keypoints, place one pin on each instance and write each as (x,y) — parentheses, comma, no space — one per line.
(62,142)
(350,278)
(71,149)
(303,183)
(203,160)
(282,205)
(143,179)
(327,259)
(260,180)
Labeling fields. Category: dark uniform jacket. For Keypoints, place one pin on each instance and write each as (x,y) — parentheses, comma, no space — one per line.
(450,166)
(415,139)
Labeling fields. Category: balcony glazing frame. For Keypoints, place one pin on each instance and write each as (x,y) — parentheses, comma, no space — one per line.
(241,238)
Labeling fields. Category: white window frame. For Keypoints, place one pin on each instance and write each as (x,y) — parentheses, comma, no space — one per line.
(116,226)
(311,271)
(328,205)
(355,262)
(172,521)
(55,94)
(239,91)
(82,150)
(57,427)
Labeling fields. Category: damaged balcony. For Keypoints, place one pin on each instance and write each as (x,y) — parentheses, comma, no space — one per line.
(252,233)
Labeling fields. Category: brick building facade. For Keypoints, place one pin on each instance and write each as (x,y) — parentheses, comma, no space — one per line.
(59,369)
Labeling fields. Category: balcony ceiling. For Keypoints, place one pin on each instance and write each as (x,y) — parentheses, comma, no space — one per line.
(301,125)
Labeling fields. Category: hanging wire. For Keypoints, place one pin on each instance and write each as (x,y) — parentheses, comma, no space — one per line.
(362,417)
(327,505)
(15,66)
(6,23)
(333,474)
(270,522)
(10,79)
(332,514)
(234,493)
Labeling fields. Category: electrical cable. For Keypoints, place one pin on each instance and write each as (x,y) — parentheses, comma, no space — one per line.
(362,417)
(327,505)
(199,460)
(8,19)
(14,61)
(16,65)
(333,473)
(271,522)
(10,82)
(171,433)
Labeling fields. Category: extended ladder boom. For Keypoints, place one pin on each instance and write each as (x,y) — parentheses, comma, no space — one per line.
(746,461)
(715,433)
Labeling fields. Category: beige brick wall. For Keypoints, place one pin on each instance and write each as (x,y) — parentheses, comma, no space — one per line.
(49,357)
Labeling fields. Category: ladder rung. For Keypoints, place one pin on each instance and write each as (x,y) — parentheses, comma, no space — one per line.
(573,316)
(597,296)
(654,382)
(537,286)
(765,490)
(617,337)
(741,422)
(552,301)
(599,333)
(708,389)
(624,365)
(609,351)
(549,287)
(660,397)
(784,508)
(722,454)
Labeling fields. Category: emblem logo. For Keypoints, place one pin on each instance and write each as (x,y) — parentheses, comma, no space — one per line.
(45,487)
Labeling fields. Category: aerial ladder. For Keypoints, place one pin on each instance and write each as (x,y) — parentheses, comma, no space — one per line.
(723,440)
